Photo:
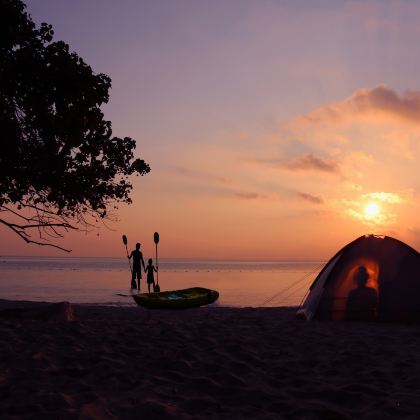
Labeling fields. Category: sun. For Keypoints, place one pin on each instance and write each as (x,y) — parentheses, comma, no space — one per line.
(372,210)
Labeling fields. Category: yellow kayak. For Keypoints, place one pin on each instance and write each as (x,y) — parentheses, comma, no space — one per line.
(177,299)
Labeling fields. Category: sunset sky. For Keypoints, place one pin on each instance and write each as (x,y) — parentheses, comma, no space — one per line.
(274,129)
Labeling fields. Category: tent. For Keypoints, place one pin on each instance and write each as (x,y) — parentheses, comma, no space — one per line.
(390,290)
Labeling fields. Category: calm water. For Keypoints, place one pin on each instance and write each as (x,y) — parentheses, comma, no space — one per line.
(101,280)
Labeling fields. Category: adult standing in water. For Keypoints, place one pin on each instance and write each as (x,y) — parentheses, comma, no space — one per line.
(138,261)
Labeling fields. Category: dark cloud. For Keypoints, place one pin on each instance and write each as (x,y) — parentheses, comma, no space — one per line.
(191,173)
(311,163)
(311,198)
(180,170)
(379,99)
(247,195)
(385,99)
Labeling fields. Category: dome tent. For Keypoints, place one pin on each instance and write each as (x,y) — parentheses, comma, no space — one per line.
(393,270)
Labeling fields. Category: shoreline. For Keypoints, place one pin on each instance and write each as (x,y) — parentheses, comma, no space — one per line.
(219,362)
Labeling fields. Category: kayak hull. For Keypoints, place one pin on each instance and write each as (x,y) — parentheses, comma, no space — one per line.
(177,299)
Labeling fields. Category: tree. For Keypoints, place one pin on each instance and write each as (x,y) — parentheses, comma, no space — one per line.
(60,166)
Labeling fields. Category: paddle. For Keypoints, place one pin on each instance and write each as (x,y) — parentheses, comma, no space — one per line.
(156,239)
(133,283)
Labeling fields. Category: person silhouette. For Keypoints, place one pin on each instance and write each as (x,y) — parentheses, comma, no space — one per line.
(362,301)
(150,276)
(138,261)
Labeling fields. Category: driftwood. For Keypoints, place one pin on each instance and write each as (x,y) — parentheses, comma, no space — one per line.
(61,311)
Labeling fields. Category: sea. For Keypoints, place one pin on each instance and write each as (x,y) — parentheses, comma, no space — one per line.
(106,281)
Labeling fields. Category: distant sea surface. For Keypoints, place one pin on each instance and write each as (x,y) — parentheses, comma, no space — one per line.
(104,280)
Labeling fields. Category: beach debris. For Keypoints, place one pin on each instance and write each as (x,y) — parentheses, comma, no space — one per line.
(61,312)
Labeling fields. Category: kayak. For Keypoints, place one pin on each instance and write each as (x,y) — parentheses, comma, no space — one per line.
(177,299)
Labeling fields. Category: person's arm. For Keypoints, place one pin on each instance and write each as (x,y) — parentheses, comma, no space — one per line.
(156,269)
(129,256)
(142,261)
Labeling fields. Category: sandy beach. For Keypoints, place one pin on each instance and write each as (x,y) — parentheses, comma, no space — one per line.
(220,363)
(256,157)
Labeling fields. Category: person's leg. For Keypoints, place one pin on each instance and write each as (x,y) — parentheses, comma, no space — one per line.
(133,279)
(138,278)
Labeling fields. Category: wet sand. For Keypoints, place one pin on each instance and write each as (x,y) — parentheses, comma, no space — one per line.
(219,363)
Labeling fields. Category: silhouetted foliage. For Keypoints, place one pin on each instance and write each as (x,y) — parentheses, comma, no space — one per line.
(59,163)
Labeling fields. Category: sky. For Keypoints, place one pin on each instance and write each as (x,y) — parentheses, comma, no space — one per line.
(275,130)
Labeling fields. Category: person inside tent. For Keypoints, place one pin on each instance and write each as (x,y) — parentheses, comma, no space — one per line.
(362,302)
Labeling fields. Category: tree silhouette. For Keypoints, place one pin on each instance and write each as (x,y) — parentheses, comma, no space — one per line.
(60,166)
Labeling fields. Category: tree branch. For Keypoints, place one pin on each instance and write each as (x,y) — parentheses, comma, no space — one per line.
(24,235)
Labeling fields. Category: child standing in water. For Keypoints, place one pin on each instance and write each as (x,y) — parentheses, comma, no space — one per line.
(150,269)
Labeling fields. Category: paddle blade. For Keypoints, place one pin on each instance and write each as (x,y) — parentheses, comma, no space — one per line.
(124,238)
(156,237)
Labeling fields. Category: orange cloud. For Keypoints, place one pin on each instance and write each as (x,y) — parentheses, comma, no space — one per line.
(385,197)
(378,220)
(382,202)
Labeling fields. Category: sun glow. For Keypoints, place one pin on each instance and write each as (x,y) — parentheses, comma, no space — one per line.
(372,210)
